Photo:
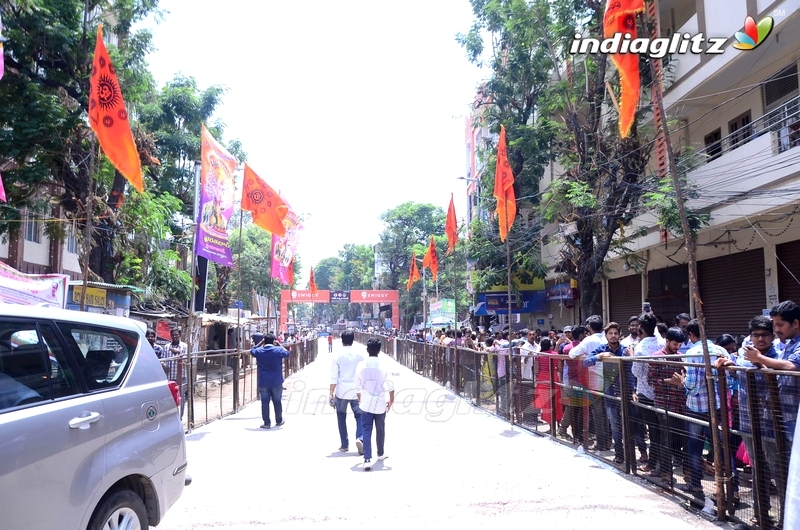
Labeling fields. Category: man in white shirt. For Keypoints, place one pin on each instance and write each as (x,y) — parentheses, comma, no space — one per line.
(597,338)
(344,392)
(633,328)
(372,383)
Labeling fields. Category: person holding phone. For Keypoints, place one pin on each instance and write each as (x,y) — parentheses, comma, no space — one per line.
(270,375)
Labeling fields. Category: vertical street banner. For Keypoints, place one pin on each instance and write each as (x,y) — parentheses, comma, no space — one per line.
(216,201)
(283,248)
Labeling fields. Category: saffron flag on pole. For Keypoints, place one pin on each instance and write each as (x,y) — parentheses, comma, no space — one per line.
(431,260)
(290,271)
(264,203)
(413,274)
(504,188)
(109,119)
(451,227)
(620,17)
(312,284)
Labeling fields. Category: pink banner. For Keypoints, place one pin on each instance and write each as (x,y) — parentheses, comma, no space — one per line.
(283,248)
(32,289)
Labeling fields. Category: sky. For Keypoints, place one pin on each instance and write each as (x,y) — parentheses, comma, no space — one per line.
(349,108)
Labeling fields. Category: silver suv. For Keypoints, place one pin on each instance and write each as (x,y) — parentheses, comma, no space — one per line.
(90,430)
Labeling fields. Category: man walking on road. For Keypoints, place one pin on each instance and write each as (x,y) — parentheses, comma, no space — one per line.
(343,391)
(372,383)
(330,342)
(270,375)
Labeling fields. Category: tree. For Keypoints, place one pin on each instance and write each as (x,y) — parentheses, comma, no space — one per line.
(603,176)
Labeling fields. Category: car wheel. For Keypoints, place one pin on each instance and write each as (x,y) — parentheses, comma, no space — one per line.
(122,510)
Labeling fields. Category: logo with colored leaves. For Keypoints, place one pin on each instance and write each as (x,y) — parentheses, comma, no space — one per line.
(753,34)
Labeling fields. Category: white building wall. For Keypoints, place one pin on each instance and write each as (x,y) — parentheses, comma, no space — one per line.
(4,247)
(38,253)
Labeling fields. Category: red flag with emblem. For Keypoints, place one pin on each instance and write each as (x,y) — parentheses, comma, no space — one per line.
(504,188)
(413,274)
(431,260)
(312,284)
(109,119)
(264,203)
(451,227)
(620,17)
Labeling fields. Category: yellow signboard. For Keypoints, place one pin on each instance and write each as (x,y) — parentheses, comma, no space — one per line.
(537,285)
(94,297)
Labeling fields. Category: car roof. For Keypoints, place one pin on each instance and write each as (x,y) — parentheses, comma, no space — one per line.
(52,313)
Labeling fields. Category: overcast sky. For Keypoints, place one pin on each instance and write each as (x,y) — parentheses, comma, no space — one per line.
(348,107)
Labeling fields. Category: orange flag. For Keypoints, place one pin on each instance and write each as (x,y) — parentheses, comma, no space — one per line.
(431,260)
(266,205)
(413,274)
(504,188)
(291,274)
(451,227)
(109,119)
(620,17)
(312,284)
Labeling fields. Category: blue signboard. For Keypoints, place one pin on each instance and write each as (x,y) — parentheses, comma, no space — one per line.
(561,291)
(523,302)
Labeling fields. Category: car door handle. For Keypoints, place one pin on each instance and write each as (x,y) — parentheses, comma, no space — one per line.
(84,420)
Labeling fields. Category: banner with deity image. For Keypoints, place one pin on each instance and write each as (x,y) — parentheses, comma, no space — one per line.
(216,201)
(283,248)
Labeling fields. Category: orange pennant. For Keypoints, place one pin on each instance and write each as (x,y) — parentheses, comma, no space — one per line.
(431,259)
(620,17)
(451,227)
(413,274)
(504,188)
(109,119)
(266,205)
(312,284)
(291,274)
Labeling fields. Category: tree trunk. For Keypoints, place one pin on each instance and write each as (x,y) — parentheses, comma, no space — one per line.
(589,294)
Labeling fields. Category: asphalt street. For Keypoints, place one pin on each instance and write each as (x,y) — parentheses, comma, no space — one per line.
(450,465)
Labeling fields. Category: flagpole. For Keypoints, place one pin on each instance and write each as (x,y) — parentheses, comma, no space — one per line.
(509,371)
(88,227)
(238,318)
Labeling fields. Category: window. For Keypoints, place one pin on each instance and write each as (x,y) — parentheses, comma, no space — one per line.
(713,144)
(780,88)
(33,228)
(72,241)
(740,130)
(33,367)
(102,353)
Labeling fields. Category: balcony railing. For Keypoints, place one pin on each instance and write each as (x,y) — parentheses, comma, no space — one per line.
(782,122)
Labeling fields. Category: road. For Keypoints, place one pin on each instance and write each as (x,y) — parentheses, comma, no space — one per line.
(449,465)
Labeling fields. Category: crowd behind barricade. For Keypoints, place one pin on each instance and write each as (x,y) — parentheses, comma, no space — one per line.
(636,395)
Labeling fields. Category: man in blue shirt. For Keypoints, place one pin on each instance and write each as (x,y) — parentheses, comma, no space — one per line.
(270,375)
(611,383)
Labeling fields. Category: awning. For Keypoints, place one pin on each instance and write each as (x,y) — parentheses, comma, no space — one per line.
(222,319)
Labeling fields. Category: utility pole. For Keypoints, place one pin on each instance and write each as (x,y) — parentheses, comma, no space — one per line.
(694,291)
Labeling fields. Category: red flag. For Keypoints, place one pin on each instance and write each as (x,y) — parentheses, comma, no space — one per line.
(266,205)
(504,188)
(451,227)
(431,260)
(312,284)
(109,119)
(620,17)
(413,274)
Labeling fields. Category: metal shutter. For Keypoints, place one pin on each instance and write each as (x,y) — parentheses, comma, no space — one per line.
(668,291)
(624,299)
(789,256)
(733,291)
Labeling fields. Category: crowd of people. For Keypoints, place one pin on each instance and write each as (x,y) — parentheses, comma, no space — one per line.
(570,378)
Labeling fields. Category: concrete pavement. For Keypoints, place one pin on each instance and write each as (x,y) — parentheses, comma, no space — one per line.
(449,465)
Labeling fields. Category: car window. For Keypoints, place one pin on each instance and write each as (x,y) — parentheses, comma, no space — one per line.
(33,367)
(104,354)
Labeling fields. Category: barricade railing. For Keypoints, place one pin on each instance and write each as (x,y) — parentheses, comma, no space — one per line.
(575,410)
(223,381)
